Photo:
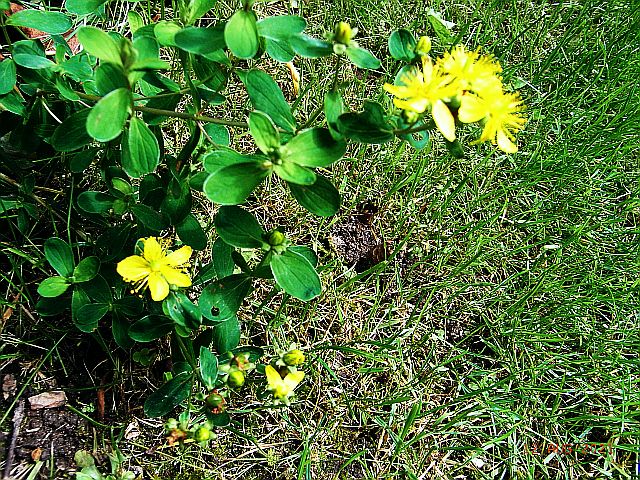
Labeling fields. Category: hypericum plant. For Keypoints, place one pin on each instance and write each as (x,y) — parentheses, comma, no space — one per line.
(104,108)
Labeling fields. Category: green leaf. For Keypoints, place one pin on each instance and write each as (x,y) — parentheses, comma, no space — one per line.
(166,32)
(79,298)
(29,54)
(402,45)
(294,173)
(191,233)
(221,257)
(279,50)
(72,133)
(168,396)
(233,184)
(267,97)
(177,201)
(264,132)
(222,299)
(150,328)
(223,157)
(7,75)
(309,47)
(107,118)
(129,306)
(362,58)
(454,148)
(241,34)
(226,335)
(48,22)
(59,255)
(109,77)
(86,269)
(208,368)
(197,8)
(140,149)
(239,228)
(53,287)
(120,330)
(200,40)
(83,7)
(135,21)
(13,103)
(99,44)
(183,311)
(219,134)
(306,252)
(149,217)
(369,126)
(218,419)
(89,316)
(321,198)
(97,289)
(295,274)
(95,202)
(314,147)
(281,27)
(81,160)
(333,108)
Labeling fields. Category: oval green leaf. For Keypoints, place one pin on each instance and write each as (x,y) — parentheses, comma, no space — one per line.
(72,133)
(226,335)
(150,328)
(200,40)
(168,396)
(107,118)
(86,269)
(267,97)
(241,34)
(239,228)
(321,198)
(53,287)
(59,255)
(362,58)
(191,233)
(95,202)
(281,27)
(264,132)
(48,22)
(7,75)
(294,173)
(99,44)
(232,185)
(208,367)
(295,274)
(140,149)
(314,147)
(402,45)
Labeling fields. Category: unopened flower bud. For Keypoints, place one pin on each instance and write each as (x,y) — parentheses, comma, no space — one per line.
(171,424)
(293,358)
(423,47)
(276,238)
(202,434)
(214,400)
(342,33)
(236,379)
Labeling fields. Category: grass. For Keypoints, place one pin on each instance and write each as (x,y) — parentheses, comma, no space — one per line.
(506,319)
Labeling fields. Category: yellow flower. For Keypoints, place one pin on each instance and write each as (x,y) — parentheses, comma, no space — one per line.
(155,268)
(472,71)
(282,388)
(428,89)
(500,114)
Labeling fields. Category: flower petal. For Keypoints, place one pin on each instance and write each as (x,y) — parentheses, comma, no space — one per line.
(505,144)
(293,379)
(444,120)
(158,286)
(471,109)
(415,104)
(179,257)
(152,249)
(133,268)
(175,277)
(274,379)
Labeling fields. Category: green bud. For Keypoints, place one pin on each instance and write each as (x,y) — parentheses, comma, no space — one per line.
(236,379)
(293,358)
(276,237)
(214,400)
(171,424)
(342,33)
(423,47)
(202,434)
(410,116)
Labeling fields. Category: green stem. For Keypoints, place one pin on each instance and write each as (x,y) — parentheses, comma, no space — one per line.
(336,76)
(4,30)
(422,128)
(80,413)
(185,351)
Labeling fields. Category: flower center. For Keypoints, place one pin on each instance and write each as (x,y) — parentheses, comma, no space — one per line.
(155,265)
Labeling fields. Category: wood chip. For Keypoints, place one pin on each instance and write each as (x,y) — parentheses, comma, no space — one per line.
(48,400)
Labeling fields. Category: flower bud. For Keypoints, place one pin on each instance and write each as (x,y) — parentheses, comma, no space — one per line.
(293,358)
(276,238)
(214,400)
(236,379)
(342,33)
(171,424)
(410,116)
(202,434)
(423,47)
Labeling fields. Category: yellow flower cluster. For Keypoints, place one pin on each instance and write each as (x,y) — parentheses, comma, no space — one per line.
(155,268)
(468,82)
